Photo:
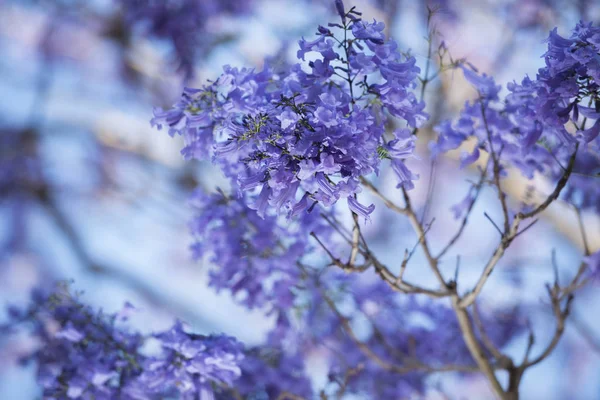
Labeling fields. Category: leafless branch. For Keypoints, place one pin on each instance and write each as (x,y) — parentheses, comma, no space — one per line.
(562,182)
(493,223)
(496,171)
(561,314)
(385,364)
(489,345)
(474,347)
(465,219)
(420,231)
(388,203)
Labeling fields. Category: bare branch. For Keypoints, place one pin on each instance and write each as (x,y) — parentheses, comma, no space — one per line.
(562,182)
(418,227)
(395,282)
(530,343)
(561,315)
(347,376)
(470,297)
(463,224)
(355,240)
(526,228)
(489,345)
(474,347)
(496,172)
(388,203)
(430,187)
(493,223)
(384,364)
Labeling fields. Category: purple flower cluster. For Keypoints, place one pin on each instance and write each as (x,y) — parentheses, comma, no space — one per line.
(84,354)
(568,101)
(542,122)
(255,258)
(183,23)
(303,134)
(190,365)
(494,127)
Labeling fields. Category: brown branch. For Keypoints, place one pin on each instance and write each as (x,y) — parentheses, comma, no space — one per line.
(463,224)
(561,315)
(576,283)
(487,342)
(496,171)
(505,242)
(384,364)
(355,240)
(388,203)
(395,282)
(420,231)
(562,182)
(337,262)
(347,376)
(474,347)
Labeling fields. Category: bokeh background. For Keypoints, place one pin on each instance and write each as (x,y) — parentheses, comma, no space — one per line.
(90,192)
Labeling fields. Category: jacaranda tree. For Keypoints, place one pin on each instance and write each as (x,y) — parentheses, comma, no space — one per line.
(304,149)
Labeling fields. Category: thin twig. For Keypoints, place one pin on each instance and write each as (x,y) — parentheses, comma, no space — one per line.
(388,203)
(470,297)
(561,315)
(496,171)
(412,216)
(489,345)
(493,223)
(526,228)
(562,182)
(355,240)
(430,188)
(463,224)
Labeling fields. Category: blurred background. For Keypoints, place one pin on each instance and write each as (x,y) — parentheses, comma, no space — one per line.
(90,192)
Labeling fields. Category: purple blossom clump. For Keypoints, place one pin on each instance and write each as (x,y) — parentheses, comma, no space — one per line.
(255,258)
(544,124)
(85,354)
(494,127)
(190,364)
(563,102)
(296,135)
(183,23)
